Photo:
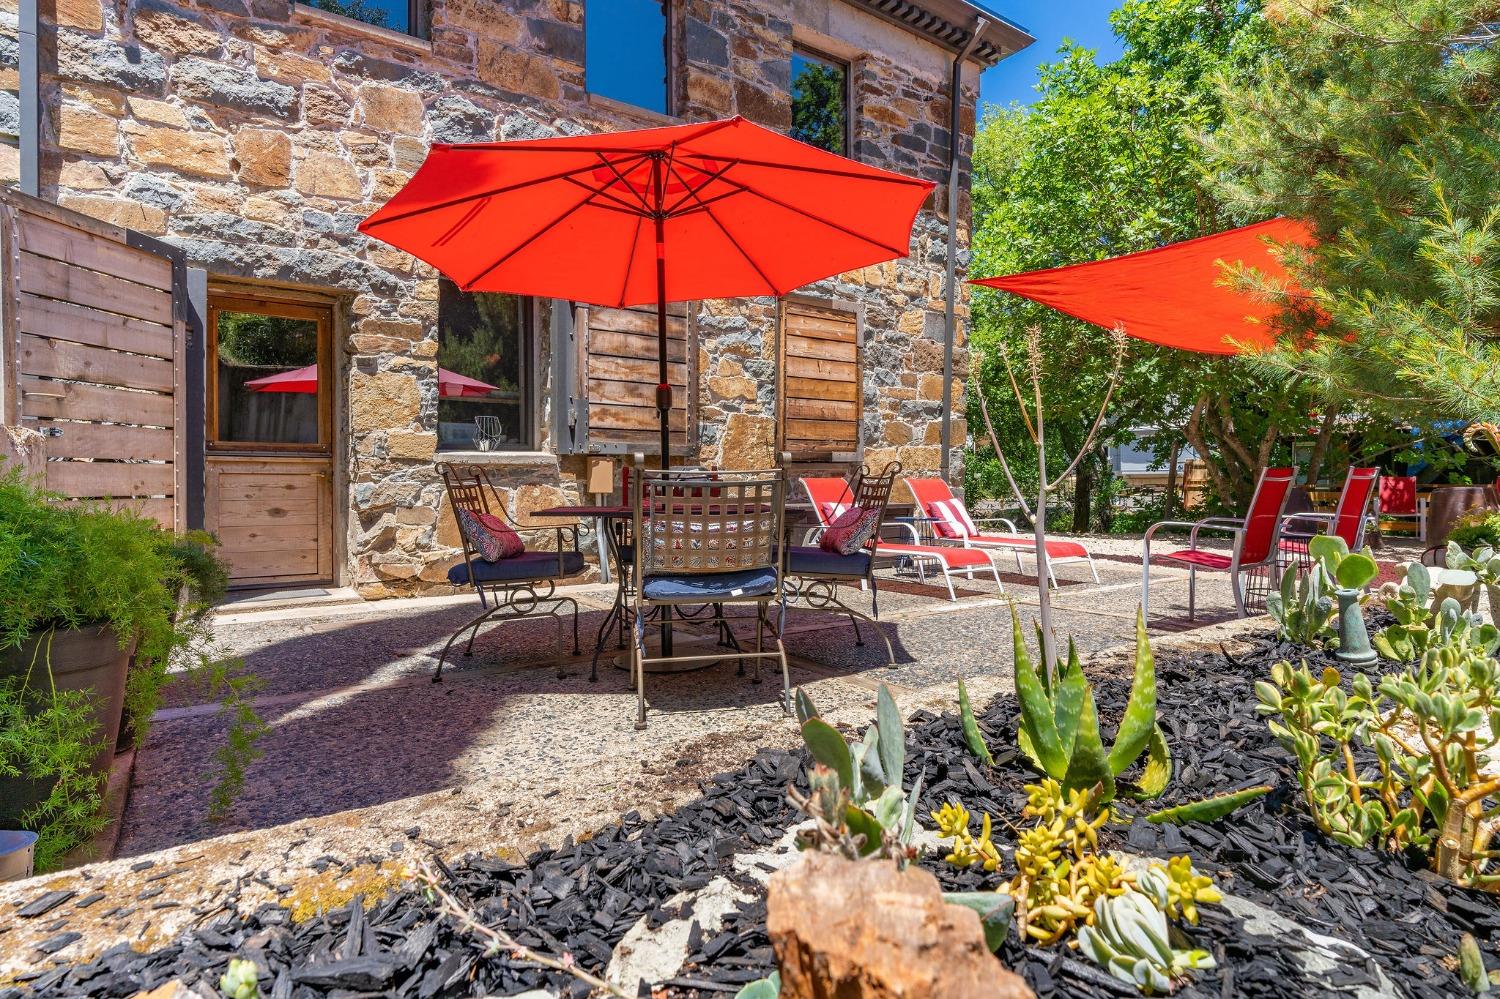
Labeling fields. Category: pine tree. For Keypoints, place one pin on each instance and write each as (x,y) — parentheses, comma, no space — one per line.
(1378,121)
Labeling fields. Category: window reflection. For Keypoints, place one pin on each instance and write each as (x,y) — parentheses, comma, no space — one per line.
(820,101)
(267,379)
(483,370)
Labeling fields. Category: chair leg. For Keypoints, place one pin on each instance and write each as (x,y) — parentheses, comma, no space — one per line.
(1236,583)
(760,630)
(1093,568)
(859,639)
(1192,590)
(786,675)
(473,629)
(948,578)
(1145,586)
(638,670)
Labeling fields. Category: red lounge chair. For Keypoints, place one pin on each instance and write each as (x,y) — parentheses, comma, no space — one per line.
(1255,541)
(831,496)
(1399,501)
(950,521)
(1348,520)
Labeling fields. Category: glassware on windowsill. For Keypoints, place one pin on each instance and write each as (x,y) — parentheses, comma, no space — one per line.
(489,433)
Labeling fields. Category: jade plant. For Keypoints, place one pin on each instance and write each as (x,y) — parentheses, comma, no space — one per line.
(1432,730)
(1304,607)
(1060,734)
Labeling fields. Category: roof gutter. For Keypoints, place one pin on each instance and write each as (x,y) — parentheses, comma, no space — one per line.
(955,95)
(30,99)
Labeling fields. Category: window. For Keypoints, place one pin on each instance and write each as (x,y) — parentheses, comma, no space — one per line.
(484,371)
(820,101)
(820,391)
(409,17)
(625,52)
(269,382)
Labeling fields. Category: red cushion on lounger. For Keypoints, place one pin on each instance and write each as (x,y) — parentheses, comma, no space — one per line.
(955,557)
(1055,549)
(1210,560)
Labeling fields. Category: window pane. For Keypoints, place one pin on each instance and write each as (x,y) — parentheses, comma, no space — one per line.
(393,14)
(267,375)
(819,107)
(482,370)
(626,51)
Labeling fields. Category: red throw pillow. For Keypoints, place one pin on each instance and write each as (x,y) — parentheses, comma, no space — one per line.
(850,531)
(491,537)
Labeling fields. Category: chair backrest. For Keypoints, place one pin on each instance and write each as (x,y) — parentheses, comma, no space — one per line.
(469,488)
(873,492)
(927,491)
(690,524)
(935,500)
(1398,494)
(1257,542)
(827,494)
(1354,502)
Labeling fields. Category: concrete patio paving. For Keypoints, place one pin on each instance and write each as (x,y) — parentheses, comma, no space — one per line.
(367,763)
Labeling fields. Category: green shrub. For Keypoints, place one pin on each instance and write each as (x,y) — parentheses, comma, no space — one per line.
(69,565)
(1476,529)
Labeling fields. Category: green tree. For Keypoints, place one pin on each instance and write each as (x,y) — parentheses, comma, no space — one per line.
(818,91)
(1377,123)
(1107,161)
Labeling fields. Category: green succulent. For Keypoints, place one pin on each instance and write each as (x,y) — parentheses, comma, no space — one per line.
(1130,939)
(762,988)
(1060,722)
(241,980)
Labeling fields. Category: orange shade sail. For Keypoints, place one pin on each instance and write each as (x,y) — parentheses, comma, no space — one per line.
(1176,295)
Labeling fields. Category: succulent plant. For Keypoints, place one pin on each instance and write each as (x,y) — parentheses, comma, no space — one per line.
(1471,966)
(762,988)
(1059,730)
(1130,939)
(953,823)
(1177,888)
(1059,872)
(855,790)
(973,738)
(1421,620)
(1303,607)
(240,980)
(1208,809)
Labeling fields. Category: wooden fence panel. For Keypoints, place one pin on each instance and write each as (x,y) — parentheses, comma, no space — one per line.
(821,377)
(93,352)
(618,375)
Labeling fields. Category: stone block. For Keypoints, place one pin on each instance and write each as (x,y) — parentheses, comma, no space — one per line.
(323,106)
(516,71)
(705,45)
(762,106)
(85,14)
(327,176)
(748,442)
(229,86)
(166,27)
(411,445)
(407,154)
(382,401)
(264,155)
(457,119)
(158,112)
(118,211)
(129,68)
(81,175)
(556,39)
(289,67)
(196,153)
(391,109)
(87,131)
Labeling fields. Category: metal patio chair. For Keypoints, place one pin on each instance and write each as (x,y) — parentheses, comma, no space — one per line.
(1399,501)
(1256,543)
(523,586)
(1349,520)
(820,573)
(711,540)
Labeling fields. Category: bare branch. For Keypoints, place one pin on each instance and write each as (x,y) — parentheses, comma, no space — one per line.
(1089,438)
(984,411)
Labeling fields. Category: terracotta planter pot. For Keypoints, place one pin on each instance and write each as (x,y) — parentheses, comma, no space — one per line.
(82,659)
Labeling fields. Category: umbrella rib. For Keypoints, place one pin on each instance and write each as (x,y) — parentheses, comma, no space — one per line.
(619,204)
(539,146)
(691,191)
(402,216)
(630,261)
(464,220)
(885,177)
(703,203)
(818,218)
(468,285)
(732,241)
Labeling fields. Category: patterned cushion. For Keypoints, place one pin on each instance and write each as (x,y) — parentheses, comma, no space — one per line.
(833,511)
(850,531)
(491,537)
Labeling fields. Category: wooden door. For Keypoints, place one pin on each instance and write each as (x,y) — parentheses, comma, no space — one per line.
(269,494)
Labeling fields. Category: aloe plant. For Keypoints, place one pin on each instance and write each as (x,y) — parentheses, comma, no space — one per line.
(1059,731)
(1208,809)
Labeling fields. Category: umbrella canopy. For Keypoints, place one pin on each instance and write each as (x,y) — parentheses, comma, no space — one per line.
(451,384)
(1176,295)
(721,209)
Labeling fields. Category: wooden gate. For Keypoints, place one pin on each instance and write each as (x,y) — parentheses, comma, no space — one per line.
(94,352)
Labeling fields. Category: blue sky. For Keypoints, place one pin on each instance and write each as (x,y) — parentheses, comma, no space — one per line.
(1049,21)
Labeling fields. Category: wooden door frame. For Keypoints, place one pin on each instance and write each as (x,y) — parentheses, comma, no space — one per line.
(285,308)
(855,308)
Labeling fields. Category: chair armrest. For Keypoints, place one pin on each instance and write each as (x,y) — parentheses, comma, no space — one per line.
(904,524)
(1310,515)
(1010,525)
(1207,524)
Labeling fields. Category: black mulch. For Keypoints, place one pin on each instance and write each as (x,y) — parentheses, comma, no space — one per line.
(582,897)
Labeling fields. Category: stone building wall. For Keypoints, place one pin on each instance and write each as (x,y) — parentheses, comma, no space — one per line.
(257,134)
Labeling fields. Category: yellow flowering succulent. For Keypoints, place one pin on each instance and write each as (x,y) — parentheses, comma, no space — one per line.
(1178,890)
(953,823)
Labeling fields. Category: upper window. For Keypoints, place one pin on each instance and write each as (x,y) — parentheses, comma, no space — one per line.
(405,16)
(626,52)
(820,101)
(484,370)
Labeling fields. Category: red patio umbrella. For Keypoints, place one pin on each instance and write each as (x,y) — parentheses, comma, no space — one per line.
(450,383)
(1174,295)
(721,209)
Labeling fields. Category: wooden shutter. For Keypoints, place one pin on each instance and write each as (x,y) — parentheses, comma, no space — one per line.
(821,376)
(93,351)
(617,364)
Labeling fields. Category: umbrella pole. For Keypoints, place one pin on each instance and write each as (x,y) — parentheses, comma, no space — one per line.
(663,386)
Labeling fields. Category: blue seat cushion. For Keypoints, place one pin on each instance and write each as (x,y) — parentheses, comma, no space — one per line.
(710,586)
(527,565)
(816,561)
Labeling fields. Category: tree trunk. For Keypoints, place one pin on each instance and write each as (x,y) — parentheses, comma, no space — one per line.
(1320,445)
(1083,494)
(1169,504)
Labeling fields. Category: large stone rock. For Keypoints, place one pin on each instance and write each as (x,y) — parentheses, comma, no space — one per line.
(98,60)
(382,401)
(165,26)
(186,152)
(84,130)
(748,442)
(391,109)
(228,86)
(327,176)
(458,119)
(264,155)
(846,929)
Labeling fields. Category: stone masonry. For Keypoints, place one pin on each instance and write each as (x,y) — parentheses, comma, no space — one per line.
(256,134)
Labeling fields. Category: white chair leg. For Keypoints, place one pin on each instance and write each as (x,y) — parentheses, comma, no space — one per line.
(948,578)
(1093,568)
(1192,591)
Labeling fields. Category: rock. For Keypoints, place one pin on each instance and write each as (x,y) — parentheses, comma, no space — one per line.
(175,989)
(652,955)
(847,929)
(391,109)
(97,60)
(382,401)
(325,175)
(166,26)
(265,156)
(84,130)
(458,119)
(216,83)
(185,152)
(749,442)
